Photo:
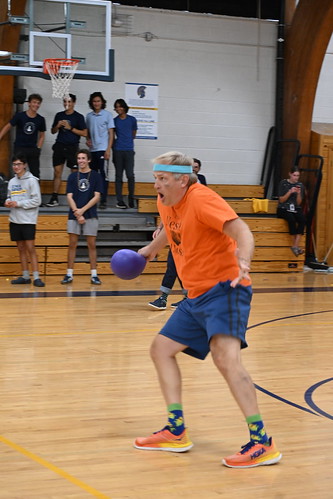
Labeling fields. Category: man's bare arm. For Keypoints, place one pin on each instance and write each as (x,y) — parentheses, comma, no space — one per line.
(240,232)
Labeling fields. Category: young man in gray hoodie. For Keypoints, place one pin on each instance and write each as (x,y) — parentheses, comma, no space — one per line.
(23,200)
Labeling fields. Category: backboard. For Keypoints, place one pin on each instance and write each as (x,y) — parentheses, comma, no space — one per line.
(78,29)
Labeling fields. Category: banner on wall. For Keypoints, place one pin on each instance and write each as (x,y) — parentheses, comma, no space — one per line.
(142,99)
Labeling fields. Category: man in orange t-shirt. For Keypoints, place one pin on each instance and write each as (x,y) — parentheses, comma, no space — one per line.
(212,249)
(204,255)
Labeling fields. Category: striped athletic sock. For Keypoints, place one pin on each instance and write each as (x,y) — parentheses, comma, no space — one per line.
(175,419)
(257,430)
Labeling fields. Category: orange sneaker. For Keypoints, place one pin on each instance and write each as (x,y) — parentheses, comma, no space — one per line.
(165,440)
(254,454)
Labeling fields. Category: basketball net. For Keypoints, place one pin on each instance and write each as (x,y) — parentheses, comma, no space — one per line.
(61,72)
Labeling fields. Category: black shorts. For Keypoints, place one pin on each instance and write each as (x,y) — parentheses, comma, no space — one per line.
(22,232)
(32,155)
(65,153)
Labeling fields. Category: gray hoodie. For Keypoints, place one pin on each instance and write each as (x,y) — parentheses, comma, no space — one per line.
(26,192)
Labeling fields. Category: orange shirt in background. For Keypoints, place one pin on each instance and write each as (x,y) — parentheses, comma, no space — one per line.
(203,254)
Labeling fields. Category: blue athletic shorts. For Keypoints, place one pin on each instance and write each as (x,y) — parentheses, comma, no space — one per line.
(221,310)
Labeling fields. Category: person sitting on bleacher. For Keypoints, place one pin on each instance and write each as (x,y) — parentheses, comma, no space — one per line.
(291,194)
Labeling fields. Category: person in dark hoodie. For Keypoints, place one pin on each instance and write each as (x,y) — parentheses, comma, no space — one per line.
(24,199)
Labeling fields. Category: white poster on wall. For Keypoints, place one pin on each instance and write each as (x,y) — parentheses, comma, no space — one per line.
(142,99)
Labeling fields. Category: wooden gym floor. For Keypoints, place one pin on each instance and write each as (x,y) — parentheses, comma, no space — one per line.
(77,386)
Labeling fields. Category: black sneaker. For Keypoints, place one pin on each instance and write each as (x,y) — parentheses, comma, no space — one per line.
(52,203)
(121,205)
(21,280)
(67,279)
(131,203)
(102,206)
(39,283)
(175,305)
(95,280)
(160,303)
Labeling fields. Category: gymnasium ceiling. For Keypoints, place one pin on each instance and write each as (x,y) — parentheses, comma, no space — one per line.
(263,9)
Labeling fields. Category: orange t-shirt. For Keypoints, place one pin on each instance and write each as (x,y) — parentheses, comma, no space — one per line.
(203,254)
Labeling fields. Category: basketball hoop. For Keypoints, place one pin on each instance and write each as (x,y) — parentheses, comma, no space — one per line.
(61,72)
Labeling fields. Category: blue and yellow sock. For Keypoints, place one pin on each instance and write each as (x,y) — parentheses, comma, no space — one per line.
(257,430)
(175,419)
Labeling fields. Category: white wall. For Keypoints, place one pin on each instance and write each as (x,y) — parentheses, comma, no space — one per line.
(216,78)
(323,108)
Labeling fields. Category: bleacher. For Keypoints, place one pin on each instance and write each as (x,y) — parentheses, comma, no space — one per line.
(134,228)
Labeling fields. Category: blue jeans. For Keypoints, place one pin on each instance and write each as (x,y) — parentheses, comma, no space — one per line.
(170,275)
